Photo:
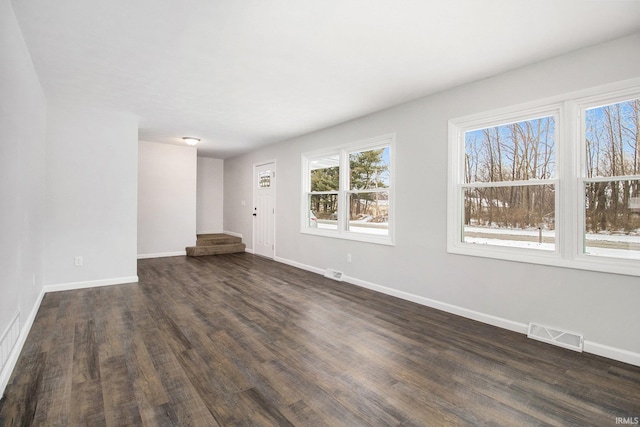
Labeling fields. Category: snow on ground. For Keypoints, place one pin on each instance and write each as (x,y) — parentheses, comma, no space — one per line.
(606,252)
(613,238)
(511,243)
(513,231)
(502,233)
(614,253)
(551,233)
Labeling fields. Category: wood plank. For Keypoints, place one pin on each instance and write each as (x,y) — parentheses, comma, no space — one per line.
(241,340)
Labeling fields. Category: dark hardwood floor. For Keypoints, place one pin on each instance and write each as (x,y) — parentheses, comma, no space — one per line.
(240,340)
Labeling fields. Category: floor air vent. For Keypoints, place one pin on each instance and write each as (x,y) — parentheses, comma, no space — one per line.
(333,274)
(553,336)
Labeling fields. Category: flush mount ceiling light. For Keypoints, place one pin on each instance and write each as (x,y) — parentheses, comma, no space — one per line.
(190,140)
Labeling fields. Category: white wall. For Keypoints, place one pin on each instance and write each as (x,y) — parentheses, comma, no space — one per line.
(604,307)
(210,195)
(91,195)
(166,199)
(22,164)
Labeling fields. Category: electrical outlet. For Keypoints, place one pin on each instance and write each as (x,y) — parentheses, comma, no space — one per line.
(348,257)
(78,261)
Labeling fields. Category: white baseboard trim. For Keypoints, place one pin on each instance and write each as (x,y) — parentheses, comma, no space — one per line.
(90,284)
(299,265)
(233,233)
(612,353)
(443,306)
(162,254)
(7,369)
(210,232)
(609,352)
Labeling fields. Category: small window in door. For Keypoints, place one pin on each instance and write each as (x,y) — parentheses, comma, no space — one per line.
(264,179)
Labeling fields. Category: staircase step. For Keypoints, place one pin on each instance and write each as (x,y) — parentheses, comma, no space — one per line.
(215,249)
(216,239)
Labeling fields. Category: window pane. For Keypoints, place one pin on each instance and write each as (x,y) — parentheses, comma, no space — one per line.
(517,216)
(369,213)
(323,211)
(511,152)
(264,179)
(369,169)
(325,173)
(612,140)
(612,219)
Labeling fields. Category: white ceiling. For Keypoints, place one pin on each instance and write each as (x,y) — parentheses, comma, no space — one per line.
(243,73)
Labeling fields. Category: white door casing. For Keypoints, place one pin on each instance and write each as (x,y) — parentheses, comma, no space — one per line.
(264,180)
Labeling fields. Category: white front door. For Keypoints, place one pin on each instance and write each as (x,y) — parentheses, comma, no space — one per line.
(264,180)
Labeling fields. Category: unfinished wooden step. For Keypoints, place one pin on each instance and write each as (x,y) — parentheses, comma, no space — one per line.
(215,249)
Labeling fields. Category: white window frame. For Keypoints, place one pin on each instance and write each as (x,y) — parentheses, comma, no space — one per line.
(581,105)
(457,130)
(344,192)
(569,180)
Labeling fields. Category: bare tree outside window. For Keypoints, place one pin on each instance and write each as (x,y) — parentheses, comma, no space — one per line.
(509,199)
(612,184)
(552,182)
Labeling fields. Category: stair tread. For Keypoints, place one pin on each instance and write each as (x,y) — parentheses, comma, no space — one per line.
(216,239)
(216,244)
(215,249)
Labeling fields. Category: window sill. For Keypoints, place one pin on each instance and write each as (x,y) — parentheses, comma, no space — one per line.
(359,237)
(602,264)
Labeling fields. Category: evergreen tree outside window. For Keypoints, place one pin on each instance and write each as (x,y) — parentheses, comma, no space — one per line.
(369,191)
(348,191)
(324,190)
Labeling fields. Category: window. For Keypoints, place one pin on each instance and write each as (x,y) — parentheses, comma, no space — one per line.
(611,180)
(323,194)
(554,183)
(264,179)
(509,184)
(348,191)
